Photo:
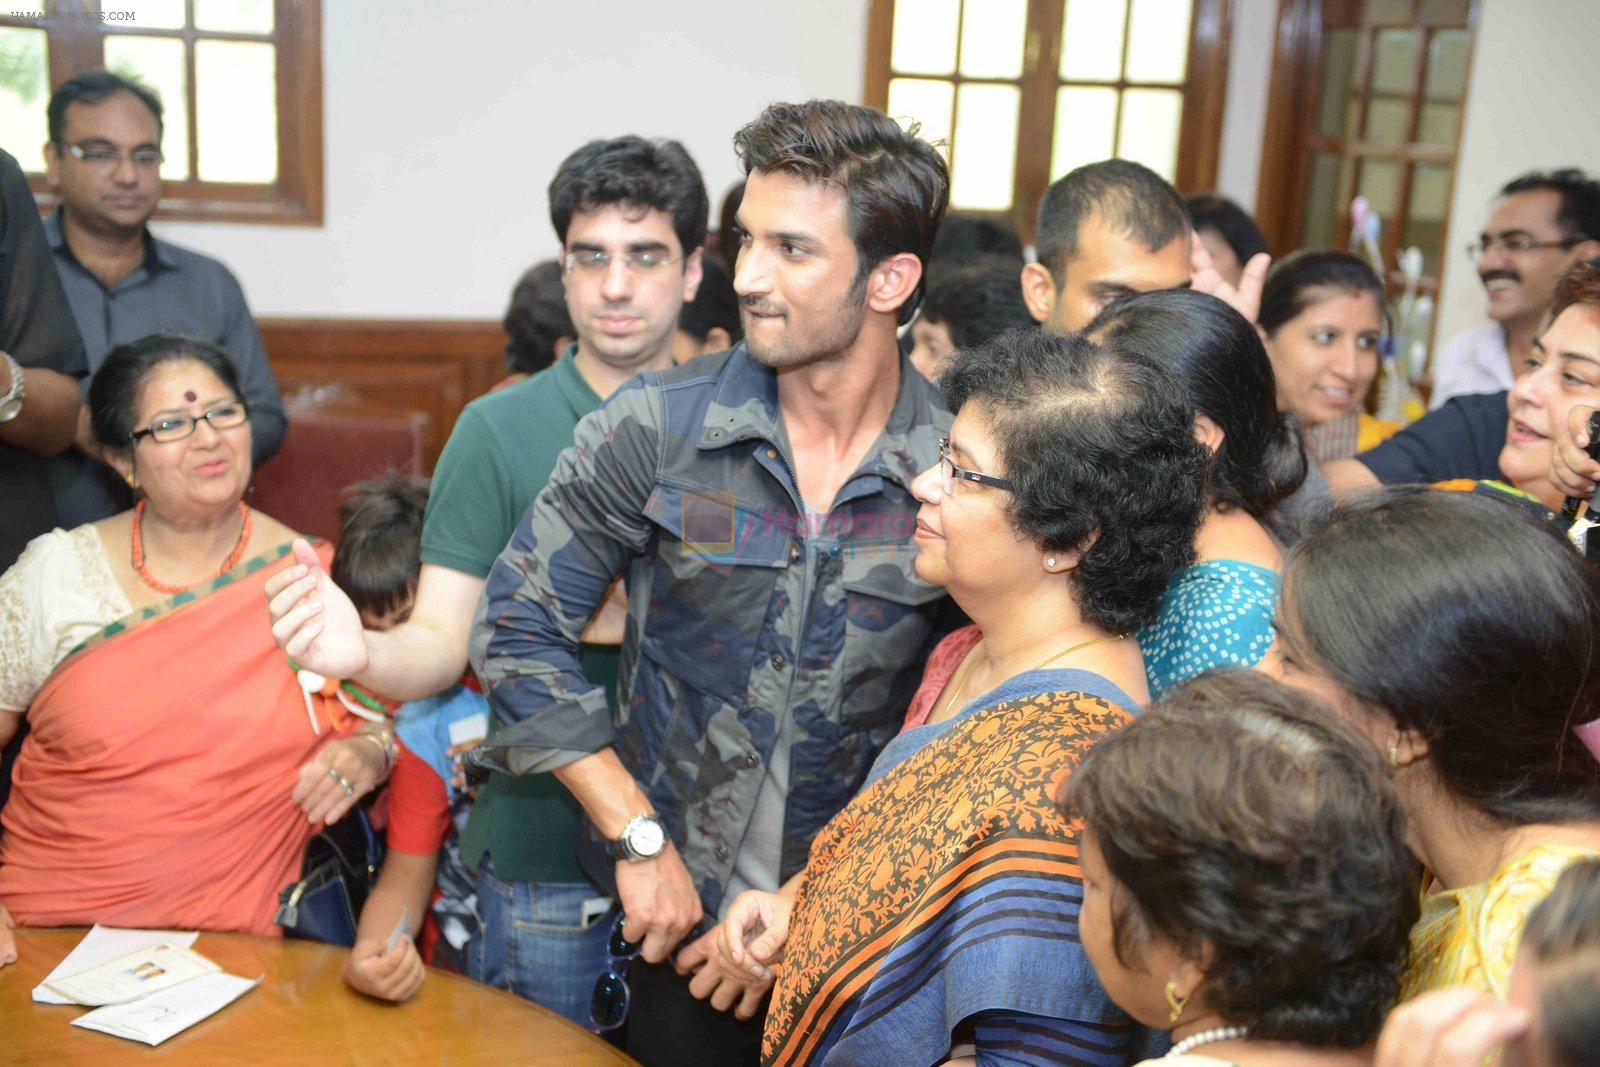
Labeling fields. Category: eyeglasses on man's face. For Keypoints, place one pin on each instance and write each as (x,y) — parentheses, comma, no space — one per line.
(949,473)
(596,263)
(1513,243)
(104,157)
(169,428)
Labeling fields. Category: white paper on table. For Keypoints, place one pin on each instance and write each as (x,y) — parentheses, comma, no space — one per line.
(137,974)
(155,1018)
(104,943)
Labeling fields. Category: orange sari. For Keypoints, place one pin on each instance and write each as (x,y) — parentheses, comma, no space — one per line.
(154,788)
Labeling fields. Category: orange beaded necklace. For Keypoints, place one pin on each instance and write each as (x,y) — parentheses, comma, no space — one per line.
(162,587)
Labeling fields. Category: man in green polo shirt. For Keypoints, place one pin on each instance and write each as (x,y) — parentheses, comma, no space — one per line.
(631,217)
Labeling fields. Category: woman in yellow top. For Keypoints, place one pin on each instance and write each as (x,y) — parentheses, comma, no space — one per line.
(1462,637)
(1323,317)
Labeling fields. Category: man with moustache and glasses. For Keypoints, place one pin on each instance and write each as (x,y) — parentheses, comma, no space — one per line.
(758,502)
(1542,224)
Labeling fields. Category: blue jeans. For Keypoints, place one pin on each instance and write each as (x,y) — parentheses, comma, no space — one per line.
(534,942)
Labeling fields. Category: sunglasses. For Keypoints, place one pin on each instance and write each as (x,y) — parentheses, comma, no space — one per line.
(608,1004)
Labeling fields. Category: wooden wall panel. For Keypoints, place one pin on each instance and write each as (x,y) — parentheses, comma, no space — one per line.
(432,366)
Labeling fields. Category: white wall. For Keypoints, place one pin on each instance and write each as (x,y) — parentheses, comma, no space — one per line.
(444,124)
(1255,30)
(1530,104)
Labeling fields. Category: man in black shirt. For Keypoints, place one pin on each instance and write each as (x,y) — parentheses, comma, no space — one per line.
(43,357)
(1463,439)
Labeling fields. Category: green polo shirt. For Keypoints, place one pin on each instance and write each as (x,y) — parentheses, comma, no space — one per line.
(499,457)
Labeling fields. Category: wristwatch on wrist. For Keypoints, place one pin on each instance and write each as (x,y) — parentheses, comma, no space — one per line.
(642,839)
(11,403)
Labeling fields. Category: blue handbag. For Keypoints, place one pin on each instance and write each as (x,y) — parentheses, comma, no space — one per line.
(341,865)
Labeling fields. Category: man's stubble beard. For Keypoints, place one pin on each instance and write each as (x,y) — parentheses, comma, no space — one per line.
(829,340)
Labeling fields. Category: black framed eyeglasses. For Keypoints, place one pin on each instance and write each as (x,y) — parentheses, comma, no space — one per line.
(608,1005)
(170,428)
(1518,242)
(952,473)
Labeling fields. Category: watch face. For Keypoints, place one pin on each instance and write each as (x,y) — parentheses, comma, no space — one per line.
(647,838)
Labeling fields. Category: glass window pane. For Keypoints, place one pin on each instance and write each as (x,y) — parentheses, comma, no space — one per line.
(1393,59)
(982,177)
(1148,131)
(1322,224)
(925,36)
(1086,128)
(1390,11)
(1447,65)
(1380,184)
(1443,12)
(1091,40)
(150,14)
(1387,120)
(1338,73)
(1158,41)
(1426,209)
(235,102)
(24,91)
(927,102)
(158,63)
(992,35)
(1439,124)
(233,16)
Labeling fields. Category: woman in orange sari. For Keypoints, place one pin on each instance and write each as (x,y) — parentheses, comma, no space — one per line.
(175,767)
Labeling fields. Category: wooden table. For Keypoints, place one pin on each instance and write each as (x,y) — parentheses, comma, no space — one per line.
(301,1013)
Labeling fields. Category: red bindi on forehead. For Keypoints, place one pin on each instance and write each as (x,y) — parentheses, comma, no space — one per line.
(189,395)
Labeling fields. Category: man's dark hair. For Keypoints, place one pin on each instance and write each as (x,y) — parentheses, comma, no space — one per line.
(1098,443)
(114,389)
(1216,355)
(1241,818)
(976,299)
(1129,197)
(896,185)
(714,304)
(727,244)
(91,87)
(536,319)
(1500,622)
(1213,211)
(967,236)
(1579,214)
(379,555)
(1308,276)
(635,173)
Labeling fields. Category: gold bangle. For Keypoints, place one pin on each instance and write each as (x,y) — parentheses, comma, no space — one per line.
(384,739)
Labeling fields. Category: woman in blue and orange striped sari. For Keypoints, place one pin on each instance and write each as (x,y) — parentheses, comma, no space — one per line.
(938,911)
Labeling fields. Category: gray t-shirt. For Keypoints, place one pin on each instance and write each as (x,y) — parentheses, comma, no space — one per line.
(759,862)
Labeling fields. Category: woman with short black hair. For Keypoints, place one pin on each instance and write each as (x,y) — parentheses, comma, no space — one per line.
(1461,636)
(1219,611)
(1246,878)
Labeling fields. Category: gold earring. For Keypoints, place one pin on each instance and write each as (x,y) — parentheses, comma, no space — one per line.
(133,481)
(1394,754)
(1175,1002)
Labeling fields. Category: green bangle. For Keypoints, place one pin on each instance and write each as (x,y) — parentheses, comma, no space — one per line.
(361,697)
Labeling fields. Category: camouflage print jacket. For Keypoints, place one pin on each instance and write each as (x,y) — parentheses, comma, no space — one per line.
(739,610)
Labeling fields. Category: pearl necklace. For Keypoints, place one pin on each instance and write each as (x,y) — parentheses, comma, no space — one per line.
(1207,1037)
